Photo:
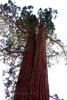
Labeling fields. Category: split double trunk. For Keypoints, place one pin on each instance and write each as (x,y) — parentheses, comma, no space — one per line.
(33,78)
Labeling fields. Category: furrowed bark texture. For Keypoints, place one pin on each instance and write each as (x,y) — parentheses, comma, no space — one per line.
(39,77)
(23,84)
(33,78)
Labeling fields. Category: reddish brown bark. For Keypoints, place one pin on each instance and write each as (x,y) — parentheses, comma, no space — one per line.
(33,79)
(23,84)
(39,77)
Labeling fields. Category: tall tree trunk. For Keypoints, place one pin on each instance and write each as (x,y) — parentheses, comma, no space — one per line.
(39,78)
(33,79)
(23,84)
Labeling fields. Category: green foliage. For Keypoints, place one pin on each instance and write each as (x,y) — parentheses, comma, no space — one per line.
(46,17)
(28,19)
(16,23)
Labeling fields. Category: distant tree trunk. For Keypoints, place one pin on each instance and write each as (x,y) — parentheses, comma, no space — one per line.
(33,78)
(23,84)
(39,77)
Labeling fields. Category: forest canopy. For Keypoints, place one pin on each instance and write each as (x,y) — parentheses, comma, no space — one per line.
(15,24)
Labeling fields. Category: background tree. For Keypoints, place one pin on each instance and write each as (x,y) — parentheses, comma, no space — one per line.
(12,43)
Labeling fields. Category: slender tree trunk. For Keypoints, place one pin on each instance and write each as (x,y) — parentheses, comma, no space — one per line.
(39,77)
(23,84)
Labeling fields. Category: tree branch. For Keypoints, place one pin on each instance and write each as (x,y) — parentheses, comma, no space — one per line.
(19,27)
(55,41)
(9,51)
(54,98)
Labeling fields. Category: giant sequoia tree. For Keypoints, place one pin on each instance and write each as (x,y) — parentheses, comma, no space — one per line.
(25,37)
